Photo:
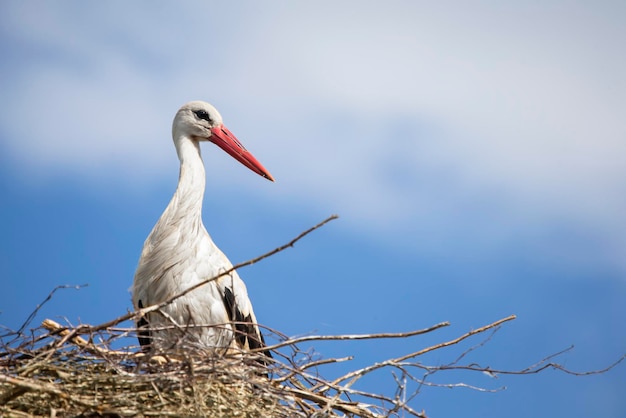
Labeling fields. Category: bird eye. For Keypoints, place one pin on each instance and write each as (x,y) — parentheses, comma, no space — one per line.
(202,114)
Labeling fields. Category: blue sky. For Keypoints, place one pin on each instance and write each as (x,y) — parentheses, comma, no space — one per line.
(475,151)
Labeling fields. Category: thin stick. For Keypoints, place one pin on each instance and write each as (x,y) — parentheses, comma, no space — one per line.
(391,362)
(326,361)
(38,307)
(152,308)
(298,340)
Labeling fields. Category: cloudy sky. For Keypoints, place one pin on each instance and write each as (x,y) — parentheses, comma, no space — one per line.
(475,151)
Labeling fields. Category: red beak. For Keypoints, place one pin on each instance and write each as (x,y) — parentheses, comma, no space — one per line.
(223,138)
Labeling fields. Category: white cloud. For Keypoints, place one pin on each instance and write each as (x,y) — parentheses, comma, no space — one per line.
(517,105)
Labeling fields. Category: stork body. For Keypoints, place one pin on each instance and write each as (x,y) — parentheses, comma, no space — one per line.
(179,253)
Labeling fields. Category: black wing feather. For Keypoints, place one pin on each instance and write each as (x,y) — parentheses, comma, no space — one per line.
(245,329)
(143,332)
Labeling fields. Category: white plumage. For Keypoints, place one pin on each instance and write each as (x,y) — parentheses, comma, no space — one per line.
(179,253)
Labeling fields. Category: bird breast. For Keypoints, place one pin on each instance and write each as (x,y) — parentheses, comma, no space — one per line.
(172,261)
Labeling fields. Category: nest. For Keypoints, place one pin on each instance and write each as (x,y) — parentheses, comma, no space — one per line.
(56,372)
(98,371)
(79,384)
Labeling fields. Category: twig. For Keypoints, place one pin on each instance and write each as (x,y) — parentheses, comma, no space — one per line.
(40,305)
(156,307)
(391,362)
(307,338)
(534,369)
(326,361)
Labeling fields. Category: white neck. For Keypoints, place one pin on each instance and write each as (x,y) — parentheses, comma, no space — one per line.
(185,208)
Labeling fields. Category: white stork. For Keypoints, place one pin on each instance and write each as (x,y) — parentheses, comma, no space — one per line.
(179,253)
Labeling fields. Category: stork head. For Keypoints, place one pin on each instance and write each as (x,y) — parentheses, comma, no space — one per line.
(199,121)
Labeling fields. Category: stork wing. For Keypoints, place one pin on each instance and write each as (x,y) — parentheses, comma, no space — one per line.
(247,333)
(143,332)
